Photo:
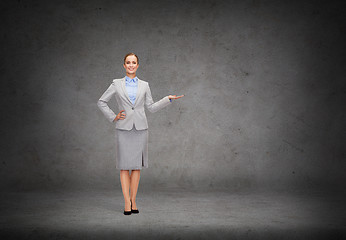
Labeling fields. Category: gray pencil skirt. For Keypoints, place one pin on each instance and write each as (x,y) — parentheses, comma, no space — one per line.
(131,149)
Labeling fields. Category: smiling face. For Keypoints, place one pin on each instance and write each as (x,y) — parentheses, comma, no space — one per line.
(131,65)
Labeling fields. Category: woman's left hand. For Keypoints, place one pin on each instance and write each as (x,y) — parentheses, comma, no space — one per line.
(175,96)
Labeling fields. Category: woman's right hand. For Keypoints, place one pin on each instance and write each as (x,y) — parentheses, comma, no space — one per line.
(120,116)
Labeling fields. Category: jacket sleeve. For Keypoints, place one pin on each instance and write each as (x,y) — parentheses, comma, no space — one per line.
(103,106)
(155,106)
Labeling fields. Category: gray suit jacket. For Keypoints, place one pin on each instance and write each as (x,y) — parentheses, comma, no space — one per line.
(135,113)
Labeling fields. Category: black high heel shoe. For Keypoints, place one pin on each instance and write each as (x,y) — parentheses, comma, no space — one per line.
(128,212)
(134,210)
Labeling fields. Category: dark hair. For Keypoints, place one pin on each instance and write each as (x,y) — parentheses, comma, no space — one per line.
(131,54)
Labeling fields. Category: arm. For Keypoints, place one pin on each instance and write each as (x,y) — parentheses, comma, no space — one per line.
(103,106)
(155,106)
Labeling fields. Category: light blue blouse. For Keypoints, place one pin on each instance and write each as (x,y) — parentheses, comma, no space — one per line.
(131,87)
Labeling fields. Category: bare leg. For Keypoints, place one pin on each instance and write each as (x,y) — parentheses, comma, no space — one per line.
(125,185)
(135,176)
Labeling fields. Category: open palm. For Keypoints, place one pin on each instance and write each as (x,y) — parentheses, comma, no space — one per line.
(175,96)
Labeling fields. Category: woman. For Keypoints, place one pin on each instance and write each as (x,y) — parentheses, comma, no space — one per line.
(131,94)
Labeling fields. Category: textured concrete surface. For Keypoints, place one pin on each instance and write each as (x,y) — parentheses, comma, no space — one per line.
(173,214)
(264,110)
(264,85)
(263,119)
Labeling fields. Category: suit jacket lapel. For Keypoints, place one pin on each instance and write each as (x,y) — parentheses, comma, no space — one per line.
(124,90)
(139,88)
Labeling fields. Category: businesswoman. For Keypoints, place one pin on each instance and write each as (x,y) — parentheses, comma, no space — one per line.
(131,125)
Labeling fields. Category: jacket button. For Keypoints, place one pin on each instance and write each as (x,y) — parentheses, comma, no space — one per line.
(133,108)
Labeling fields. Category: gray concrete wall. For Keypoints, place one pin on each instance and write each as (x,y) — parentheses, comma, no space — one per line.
(264,84)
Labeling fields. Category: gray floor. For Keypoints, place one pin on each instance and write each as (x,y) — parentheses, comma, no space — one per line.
(173,214)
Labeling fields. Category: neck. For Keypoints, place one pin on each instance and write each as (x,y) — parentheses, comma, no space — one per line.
(133,75)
